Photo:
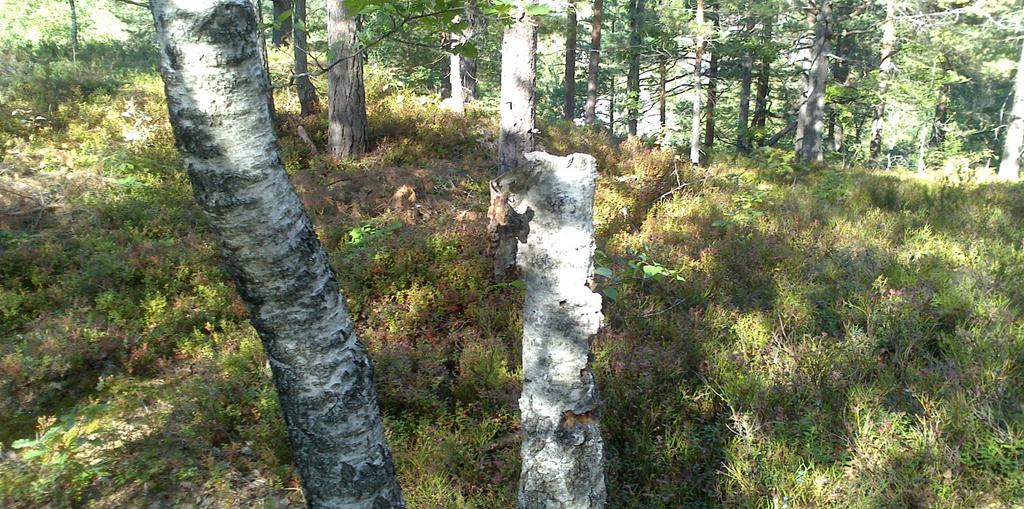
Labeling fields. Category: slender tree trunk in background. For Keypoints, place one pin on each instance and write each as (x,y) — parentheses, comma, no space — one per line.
(810,122)
(562,451)
(474,34)
(74,30)
(662,95)
(594,65)
(763,83)
(303,86)
(1013,147)
(742,117)
(282,28)
(458,97)
(346,102)
(840,74)
(518,92)
(698,65)
(636,8)
(709,116)
(938,130)
(611,104)
(569,98)
(446,78)
(216,88)
(885,71)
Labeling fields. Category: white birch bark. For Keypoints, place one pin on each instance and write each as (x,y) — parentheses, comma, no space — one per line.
(518,72)
(562,452)
(1009,165)
(216,87)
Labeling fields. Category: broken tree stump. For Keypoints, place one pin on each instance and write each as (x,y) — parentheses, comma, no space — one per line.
(546,206)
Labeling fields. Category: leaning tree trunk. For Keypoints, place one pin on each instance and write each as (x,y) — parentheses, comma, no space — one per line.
(594,65)
(216,89)
(282,27)
(698,65)
(518,71)
(885,70)
(346,102)
(550,200)
(1009,165)
(74,30)
(636,8)
(569,98)
(303,86)
(811,119)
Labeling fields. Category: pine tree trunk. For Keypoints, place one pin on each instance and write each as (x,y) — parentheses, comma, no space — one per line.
(474,33)
(562,451)
(74,30)
(885,70)
(1013,147)
(698,67)
(216,88)
(569,83)
(742,117)
(594,65)
(303,86)
(811,120)
(518,72)
(709,116)
(636,8)
(282,29)
(346,103)
(763,83)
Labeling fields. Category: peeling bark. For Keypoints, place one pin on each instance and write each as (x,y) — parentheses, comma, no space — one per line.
(563,456)
(518,71)
(216,87)
(346,101)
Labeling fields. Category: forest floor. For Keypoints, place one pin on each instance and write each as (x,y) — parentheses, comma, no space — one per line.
(775,336)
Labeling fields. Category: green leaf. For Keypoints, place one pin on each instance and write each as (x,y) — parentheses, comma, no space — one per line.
(519,284)
(23,443)
(611,293)
(538,9)
(654,270)
(604,271)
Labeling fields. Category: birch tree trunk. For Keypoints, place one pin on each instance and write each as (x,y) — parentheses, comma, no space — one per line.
(698,67)
(474,33)
(216,95)
(563,457)
(457,101)
(636,8)
(518,71)
(885,71)
(282,28)
(303,86)
(594,65)
(346,102)
(569,98)
(1009,165)
(811,119)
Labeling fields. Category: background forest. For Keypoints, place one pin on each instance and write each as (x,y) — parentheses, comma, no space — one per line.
(781,330)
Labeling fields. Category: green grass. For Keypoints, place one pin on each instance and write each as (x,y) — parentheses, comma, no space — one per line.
(778,337)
